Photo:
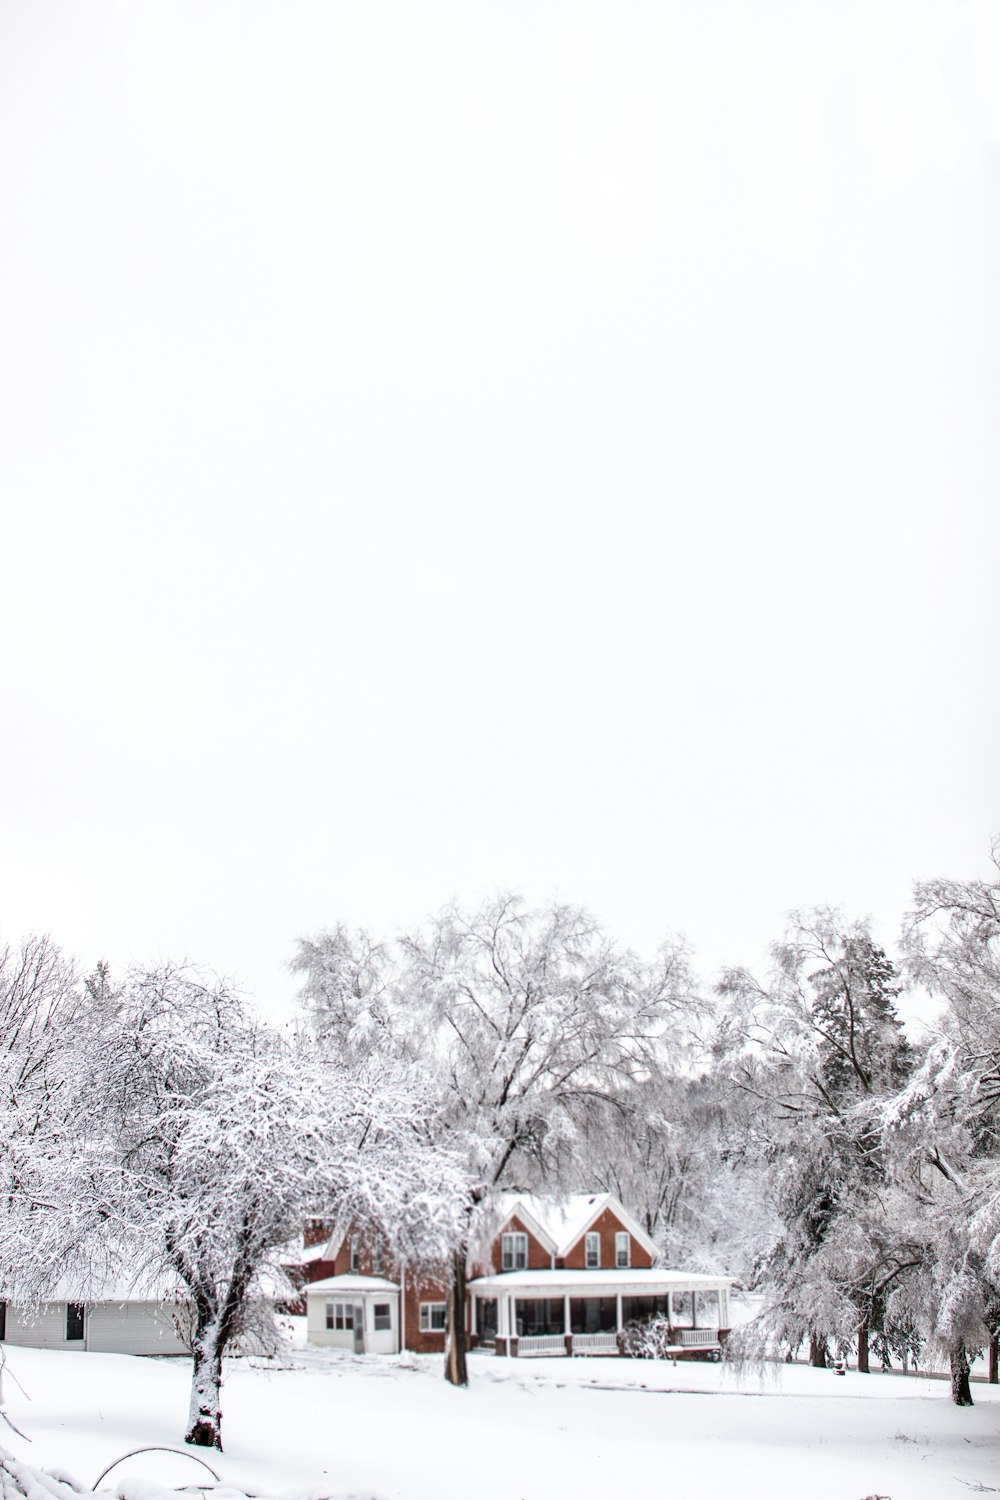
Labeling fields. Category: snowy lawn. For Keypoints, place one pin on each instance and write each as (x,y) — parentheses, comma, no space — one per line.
(539,1429)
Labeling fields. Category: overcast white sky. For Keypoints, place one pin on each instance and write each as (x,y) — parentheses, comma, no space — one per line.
(497,443)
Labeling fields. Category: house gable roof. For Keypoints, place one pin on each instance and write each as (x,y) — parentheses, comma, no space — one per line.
(565,1220)
(556,1223)
(528,1211)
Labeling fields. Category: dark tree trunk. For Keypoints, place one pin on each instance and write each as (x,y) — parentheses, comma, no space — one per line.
(863,1348)
(205,1414)
(455,1371)
(994,1373)
(960,1392)
(817,1350)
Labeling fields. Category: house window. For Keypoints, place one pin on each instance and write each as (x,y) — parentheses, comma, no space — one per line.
(340,1316)
(74,1321)
(3,1321)
(383,1316)
(433,1317)
(355,1252)
(378,1259)
(592,1251)
(623,1250)
(514,1252)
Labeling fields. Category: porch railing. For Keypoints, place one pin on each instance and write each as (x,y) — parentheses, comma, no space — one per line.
(542,1343)
(697,1338)
(595,1343)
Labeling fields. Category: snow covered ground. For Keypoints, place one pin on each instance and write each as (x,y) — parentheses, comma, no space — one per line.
(322,1423)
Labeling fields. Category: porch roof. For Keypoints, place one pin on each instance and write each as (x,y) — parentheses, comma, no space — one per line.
(635,1282)
(355,1285)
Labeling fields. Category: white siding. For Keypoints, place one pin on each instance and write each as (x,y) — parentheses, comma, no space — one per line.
(133,1328)
(109,1327)
(43,1328)
(384,1341)
(316,1329)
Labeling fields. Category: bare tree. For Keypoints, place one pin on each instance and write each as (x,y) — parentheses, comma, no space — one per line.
(519,1016)
(945,1125)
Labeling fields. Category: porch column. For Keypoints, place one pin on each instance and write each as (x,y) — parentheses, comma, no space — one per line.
(567,1327)
(618,1312)
(500,1346)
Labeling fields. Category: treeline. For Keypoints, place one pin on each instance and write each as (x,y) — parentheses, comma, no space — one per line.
(781,1128)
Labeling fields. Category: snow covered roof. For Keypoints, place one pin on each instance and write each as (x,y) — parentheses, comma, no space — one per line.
(306,1254)
(298,1253)
(350,1283)
(630,1283)
(117,1285)
(148,1287)
(564,1220)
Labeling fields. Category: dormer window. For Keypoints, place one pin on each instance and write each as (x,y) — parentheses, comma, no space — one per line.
(592,1251)
(514,1251)
(623,1250)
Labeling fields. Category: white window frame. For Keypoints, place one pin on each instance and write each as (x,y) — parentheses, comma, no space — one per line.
(382,1321)
(427,1312)
(378,1258)
(592,1251)
(339,1317)
(514,1250)
(355,1249)
(623,1249)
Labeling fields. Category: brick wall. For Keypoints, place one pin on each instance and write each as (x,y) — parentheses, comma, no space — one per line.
(539,1258)
(416,1289)
(366,1259)
(607,1225)
(315,1231)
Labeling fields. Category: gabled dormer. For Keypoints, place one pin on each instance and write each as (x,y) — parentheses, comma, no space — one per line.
(598,1233)
(522,1242)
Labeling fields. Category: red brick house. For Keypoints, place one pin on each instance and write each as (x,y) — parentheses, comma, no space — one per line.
(551,1278)
(306,1261)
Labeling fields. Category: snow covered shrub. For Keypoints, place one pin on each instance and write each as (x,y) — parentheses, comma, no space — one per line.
(648,1340)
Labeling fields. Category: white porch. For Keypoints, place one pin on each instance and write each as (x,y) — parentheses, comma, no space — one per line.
(358,1313)
(583,1312)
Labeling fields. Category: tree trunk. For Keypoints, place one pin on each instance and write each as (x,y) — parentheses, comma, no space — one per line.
(205,1414)
(960,1392)
(455,1371)
(817,1350)
(994,1374)
(863,1348)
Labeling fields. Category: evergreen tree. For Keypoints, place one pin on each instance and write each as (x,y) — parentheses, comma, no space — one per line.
(819,1047)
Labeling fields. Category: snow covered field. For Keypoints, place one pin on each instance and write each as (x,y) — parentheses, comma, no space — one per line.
(324,1423)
